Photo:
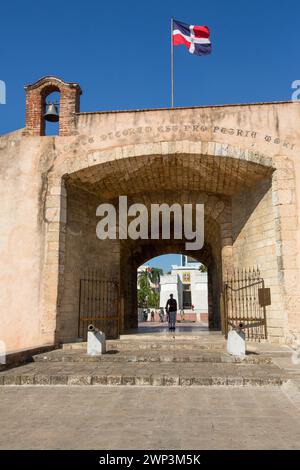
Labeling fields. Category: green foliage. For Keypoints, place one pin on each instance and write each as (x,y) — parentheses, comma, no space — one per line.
(153,301)
(146,294)
(203,268)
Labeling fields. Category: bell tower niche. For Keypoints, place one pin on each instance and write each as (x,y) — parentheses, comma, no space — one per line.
(38,111)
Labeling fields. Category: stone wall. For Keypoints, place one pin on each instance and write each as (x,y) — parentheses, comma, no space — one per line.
(84,253)
(254,245)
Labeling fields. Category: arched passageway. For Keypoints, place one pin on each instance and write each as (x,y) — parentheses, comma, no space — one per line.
(134,256)
(151,179)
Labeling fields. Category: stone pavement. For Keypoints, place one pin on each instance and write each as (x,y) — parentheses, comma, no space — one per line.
(153,392)
(148,418)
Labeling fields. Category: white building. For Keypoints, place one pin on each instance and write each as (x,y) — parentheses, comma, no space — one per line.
(189,287)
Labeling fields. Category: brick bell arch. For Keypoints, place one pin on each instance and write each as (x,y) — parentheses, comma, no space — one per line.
(36,95)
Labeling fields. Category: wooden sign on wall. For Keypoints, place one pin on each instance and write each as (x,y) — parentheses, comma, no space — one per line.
(264,296)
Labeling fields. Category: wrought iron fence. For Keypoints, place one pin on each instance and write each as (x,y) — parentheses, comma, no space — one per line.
(246,299)
(98,303)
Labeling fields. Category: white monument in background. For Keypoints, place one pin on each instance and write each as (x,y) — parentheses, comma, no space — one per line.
(189,287)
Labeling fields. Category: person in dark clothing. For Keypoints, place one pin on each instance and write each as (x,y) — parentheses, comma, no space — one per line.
(145,315)
(171,308)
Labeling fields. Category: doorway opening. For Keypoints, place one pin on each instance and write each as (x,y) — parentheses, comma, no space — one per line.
(181,276)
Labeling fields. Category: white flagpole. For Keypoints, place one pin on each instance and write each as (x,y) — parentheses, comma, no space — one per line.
(172,66)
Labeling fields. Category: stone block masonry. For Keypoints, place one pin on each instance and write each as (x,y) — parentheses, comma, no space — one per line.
(236,159)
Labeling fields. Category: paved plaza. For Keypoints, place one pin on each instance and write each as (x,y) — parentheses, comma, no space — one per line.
(153,391)
(148,418)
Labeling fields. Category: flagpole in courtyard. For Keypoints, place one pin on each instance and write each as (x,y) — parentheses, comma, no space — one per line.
(172,66)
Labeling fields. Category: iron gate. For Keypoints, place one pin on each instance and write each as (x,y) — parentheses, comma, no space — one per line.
(246,299)
(98,304)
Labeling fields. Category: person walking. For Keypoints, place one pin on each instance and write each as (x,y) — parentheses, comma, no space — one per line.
(171,308)
(145,315)
(152,315)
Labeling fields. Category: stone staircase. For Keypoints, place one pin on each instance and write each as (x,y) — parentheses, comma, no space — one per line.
(152,360)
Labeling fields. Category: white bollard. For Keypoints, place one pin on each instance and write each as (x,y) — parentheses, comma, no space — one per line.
(2,352)
(236,344)
(96,343)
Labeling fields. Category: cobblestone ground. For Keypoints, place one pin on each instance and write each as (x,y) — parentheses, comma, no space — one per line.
(98,417)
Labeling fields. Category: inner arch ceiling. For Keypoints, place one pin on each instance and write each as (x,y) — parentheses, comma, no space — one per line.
(184,172)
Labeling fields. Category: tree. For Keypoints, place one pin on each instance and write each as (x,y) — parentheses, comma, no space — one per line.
(153,299)
(143,289)
(155,274)
(147,296)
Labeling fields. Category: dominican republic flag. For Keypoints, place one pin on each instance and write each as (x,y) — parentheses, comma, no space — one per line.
(195,38)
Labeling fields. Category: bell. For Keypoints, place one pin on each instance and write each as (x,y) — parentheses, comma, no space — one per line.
(51,113)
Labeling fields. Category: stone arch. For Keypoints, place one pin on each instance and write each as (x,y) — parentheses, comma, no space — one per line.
(216,253)
(216,171)
(87,158)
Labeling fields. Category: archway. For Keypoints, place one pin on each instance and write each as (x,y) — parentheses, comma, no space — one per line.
(180,275)
(149,179)
(134,255)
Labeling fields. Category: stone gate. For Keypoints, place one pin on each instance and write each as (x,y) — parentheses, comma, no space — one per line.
(240,161)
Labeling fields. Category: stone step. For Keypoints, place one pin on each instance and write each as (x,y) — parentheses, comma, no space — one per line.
(75,356)
(200,337)
(196,374)
(161,345)
(176,344)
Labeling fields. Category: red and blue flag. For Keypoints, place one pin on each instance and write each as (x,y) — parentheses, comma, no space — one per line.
(195,38)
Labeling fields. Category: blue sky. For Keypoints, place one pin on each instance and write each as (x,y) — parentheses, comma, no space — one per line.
(119,52)
(165,262)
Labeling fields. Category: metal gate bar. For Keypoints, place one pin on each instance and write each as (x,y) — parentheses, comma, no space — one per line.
(241,299)
(98,303)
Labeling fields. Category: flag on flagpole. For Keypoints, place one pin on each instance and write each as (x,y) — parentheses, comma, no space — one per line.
(195,38)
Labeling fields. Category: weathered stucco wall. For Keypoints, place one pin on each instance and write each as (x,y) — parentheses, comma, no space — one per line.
(23,175)
(267,128)
(34,236)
